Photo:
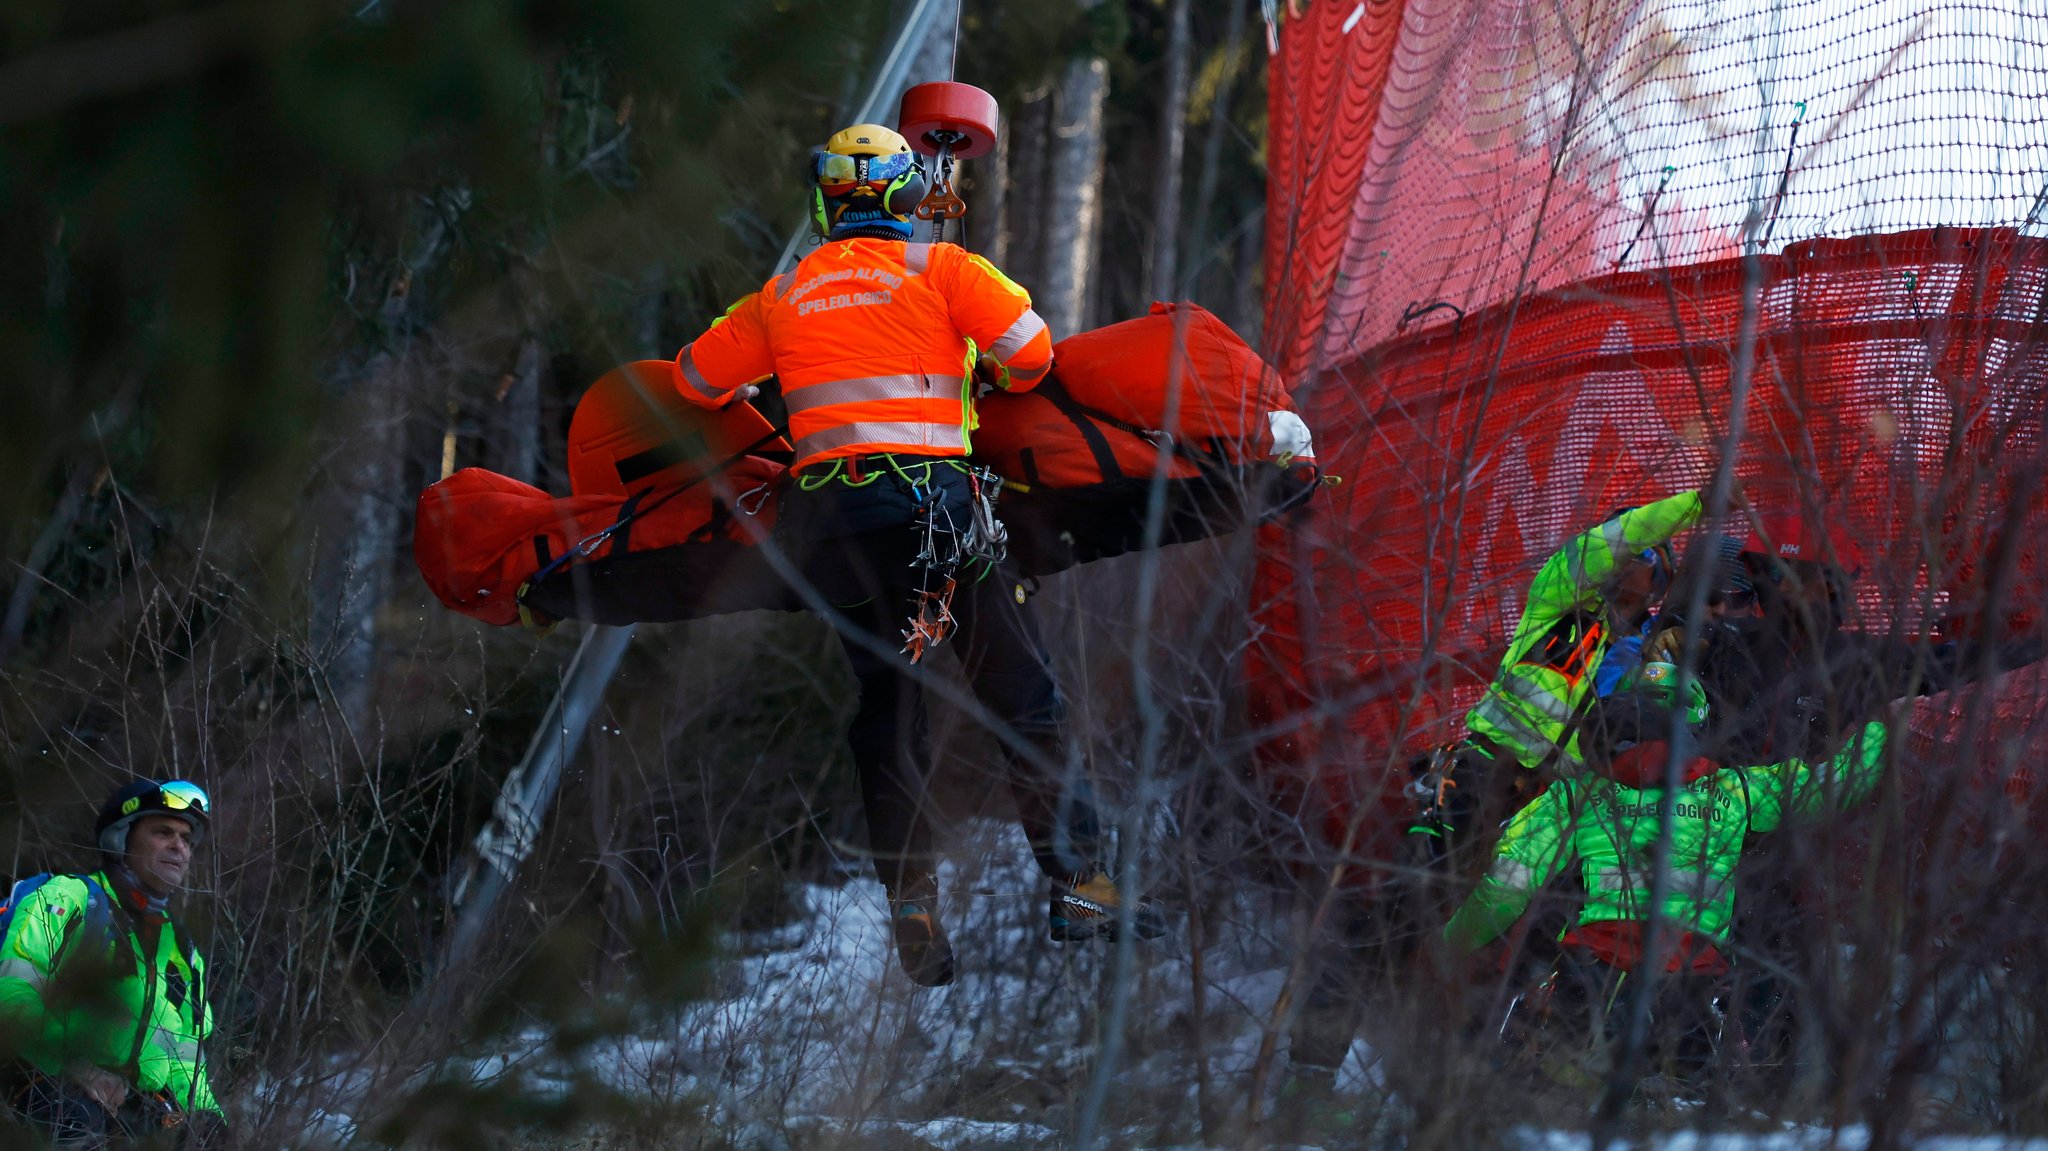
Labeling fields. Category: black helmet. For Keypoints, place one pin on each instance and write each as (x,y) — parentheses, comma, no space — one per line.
(187,801)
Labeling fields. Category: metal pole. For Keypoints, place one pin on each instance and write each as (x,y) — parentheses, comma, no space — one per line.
(508,837)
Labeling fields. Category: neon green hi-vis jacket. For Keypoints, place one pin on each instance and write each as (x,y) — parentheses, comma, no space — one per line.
(1562,635)
(1611,830)
(66,999)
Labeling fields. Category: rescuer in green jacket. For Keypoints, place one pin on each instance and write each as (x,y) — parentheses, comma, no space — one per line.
(1593,591)
(1607,823)
(1597,589)
(102,995)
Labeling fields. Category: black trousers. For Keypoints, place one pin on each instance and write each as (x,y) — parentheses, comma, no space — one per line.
(855,547)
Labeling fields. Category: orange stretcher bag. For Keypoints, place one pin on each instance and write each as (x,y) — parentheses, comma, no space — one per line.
(502,551)
(653,533)
(1180,370)
(670,499)
(1122,411)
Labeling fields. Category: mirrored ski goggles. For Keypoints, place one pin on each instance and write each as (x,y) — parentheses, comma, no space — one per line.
(838,173)
(179,795)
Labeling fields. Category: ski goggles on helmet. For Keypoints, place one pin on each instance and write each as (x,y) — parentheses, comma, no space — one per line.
(178,795)
(173,796)
(838,173)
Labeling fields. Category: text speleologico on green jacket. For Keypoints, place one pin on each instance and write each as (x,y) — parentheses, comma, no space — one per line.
(1547,673)
(1611,830)
(67,999)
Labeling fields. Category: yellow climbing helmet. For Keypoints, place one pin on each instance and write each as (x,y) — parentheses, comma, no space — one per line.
(865,176)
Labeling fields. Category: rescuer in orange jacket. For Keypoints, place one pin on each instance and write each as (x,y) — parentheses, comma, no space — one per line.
(876,341)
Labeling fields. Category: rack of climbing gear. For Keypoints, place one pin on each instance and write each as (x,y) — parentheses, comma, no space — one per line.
(941,548)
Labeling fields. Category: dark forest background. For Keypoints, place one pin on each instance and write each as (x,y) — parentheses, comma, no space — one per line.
(273,268)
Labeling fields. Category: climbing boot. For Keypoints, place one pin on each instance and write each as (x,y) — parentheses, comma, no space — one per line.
(921,944)
(1089,907)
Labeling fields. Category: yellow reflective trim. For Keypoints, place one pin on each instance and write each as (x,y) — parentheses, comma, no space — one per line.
(1009,285)
(727,314)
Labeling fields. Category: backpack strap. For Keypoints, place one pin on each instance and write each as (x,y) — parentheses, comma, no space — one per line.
(1083,420)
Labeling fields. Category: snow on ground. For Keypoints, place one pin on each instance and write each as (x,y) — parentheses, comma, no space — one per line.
(821,1022)
(813,1023)
(811,1037)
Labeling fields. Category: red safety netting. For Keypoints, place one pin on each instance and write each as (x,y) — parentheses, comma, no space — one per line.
(1503,274)
(1899,391)
(1460,150)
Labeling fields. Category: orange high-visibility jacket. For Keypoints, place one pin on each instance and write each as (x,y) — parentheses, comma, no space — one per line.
(869,340)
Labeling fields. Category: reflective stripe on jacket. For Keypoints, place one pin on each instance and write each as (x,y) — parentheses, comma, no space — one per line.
(61,1003)
(1561,638)
(870,340)
(1611,831)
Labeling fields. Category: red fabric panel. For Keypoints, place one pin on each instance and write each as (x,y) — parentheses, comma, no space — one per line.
(1466,152)
(1322,102)
(1898,394)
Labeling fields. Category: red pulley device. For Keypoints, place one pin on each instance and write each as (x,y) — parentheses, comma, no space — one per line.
(949,121)
(944,114)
